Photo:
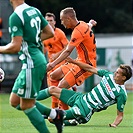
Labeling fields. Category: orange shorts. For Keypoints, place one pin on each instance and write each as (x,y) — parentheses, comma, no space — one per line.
(74,74)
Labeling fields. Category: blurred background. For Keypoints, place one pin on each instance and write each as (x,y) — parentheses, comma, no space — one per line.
(113,35)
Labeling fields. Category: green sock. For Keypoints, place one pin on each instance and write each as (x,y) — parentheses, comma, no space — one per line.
(18,107)
(36,119)
(43,94)
(69,114)
(43,109)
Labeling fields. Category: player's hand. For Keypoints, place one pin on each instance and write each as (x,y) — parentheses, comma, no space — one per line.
(93,22)
(112,125)
(50,66)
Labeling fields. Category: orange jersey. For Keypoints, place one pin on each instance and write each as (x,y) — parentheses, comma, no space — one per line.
(56,43)
(84,40)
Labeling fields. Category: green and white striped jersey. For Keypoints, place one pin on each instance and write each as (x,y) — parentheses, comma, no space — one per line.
(106,93)
(27,21)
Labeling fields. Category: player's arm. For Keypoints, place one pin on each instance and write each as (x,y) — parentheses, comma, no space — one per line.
(47,32)
(118,119)
(13,47)
(61,57)
(56,55)
(82,65)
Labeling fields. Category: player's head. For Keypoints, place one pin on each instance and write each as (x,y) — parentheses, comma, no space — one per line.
(50,17)
(67,16)
(126,71)
(122,74)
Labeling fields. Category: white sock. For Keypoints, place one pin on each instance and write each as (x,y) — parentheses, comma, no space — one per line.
(52,114)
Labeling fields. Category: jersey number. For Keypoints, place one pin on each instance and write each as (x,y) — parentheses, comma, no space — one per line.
(35,22)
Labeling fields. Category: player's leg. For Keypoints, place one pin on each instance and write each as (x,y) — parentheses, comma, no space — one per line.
(68,79)
(26,87)
(34,115)
(54,76)
(54,100)
(43,95)
(56,116)
(69,97)
(14,101)
(57,74)
(64,106)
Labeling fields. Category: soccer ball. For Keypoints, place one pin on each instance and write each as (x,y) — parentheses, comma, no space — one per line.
(2,75)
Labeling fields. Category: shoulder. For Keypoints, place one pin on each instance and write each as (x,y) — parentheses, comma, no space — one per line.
(82,24)
(13,15)
(59,32)
(102,72)
(82,28)
(14,18)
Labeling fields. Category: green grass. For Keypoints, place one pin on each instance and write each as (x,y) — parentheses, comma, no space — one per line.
(13,121)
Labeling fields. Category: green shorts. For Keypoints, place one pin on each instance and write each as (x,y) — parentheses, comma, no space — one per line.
(81,112)
(29,81)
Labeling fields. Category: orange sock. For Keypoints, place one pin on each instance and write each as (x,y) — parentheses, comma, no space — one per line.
(55,102)
(62,105)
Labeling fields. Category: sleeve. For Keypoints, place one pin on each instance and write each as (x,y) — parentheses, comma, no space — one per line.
(44,22)
(15,25)
(76,38)
(101,72)
(121,101)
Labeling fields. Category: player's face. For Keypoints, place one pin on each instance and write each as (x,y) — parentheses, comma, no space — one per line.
(118,76)
(64,20)
(51,21)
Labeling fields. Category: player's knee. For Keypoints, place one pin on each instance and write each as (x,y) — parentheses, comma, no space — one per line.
(56,76)
(63,84)
(13,103)
(14,100)
(53,76)
(23,107)
(26,106)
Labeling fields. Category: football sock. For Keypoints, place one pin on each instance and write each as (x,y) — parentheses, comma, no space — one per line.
(63,105)
(54,103)
(43,109)
(36,119)
(18,107)
(68,114)
(43,94)
(52,114)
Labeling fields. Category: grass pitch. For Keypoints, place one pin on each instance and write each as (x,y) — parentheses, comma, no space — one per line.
(13,121)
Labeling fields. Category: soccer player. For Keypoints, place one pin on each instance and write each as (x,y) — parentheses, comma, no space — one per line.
(83,40)
(28,28)
(54,46)
(109,91)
